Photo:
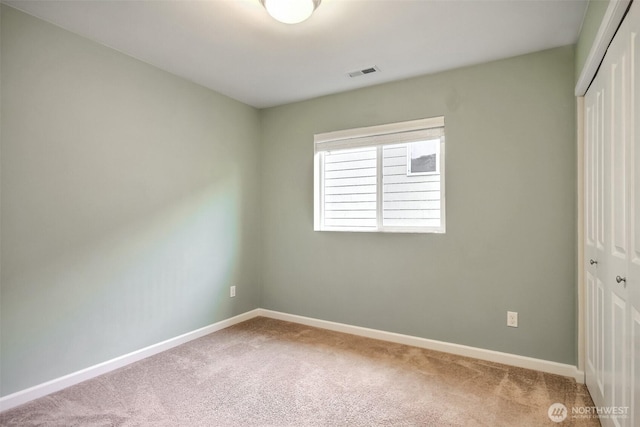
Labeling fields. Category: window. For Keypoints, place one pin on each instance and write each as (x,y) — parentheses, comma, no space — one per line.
(387,178)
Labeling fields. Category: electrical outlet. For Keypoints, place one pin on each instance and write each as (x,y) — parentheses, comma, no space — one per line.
(512,319)
(232,291)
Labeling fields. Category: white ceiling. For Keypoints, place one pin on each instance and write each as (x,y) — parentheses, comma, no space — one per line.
(234,47)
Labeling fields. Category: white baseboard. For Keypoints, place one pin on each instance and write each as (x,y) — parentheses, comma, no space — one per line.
(40,390)
(461,350)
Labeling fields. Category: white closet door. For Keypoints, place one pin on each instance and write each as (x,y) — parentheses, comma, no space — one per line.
(594,236)
(614,271)
(633,273)
(612,228)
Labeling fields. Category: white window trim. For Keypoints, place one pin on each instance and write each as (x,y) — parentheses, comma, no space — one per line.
(387,134)
(420,124)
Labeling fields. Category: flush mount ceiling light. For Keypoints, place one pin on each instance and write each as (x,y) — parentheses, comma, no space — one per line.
(290,11)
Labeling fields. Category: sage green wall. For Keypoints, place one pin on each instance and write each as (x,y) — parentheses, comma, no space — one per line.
(130,203)
(590,25)
(510,199)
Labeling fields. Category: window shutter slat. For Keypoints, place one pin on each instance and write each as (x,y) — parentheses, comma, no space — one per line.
(350,188)
(419,195)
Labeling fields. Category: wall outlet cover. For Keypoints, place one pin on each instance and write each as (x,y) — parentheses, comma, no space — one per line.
(512,319)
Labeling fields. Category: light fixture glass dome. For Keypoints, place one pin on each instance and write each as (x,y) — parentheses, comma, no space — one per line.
(290,11)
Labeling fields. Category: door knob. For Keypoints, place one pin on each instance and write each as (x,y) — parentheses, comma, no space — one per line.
(621,279)
(593,261)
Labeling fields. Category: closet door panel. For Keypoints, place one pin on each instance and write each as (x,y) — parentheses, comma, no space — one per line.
(634,387)
(591,328)
(633,273)
(600,159)
(612,177)
(634,144)
(591,237)
(619,60)
(617,165)
(595,238)
(600,340)
(590,178)
(618,392)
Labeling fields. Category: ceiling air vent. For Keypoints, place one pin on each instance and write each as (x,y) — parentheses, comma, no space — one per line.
(369,70)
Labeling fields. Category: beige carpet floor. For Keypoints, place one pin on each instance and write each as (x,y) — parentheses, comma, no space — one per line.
(265,372)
